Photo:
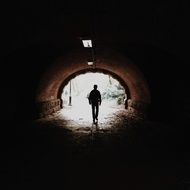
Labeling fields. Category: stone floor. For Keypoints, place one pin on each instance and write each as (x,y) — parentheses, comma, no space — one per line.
(122,151)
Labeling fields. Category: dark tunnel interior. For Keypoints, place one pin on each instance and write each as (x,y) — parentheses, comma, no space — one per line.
(142,153)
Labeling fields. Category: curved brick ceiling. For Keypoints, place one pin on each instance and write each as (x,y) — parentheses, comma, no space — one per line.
(107,61)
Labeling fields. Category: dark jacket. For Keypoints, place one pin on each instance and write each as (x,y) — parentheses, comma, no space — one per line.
(95,97)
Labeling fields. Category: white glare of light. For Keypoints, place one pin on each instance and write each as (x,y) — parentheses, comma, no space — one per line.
(90,63)
(87,43)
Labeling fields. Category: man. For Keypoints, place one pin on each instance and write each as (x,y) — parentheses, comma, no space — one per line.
(95,100)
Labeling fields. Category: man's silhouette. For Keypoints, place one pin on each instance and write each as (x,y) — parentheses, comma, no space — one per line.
(95,100)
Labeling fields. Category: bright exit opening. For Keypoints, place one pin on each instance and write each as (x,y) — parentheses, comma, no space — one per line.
(75,95)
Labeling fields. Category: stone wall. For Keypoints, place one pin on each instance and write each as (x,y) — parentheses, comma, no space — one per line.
(48,107)
(137,107)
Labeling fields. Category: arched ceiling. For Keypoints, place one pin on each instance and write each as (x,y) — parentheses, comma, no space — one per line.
(34,34)
(108,60)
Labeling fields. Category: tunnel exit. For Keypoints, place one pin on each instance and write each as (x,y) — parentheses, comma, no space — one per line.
(75,97)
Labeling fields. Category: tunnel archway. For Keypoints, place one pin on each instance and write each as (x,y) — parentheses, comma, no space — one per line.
(107,61)
(95,70)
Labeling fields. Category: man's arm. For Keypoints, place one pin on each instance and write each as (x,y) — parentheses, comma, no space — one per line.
(100,99)
(89,98)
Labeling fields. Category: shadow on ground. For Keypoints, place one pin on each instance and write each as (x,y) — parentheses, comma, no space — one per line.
(133,154)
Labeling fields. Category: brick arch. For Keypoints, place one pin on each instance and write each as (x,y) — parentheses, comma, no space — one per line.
(94,70)
(107,61)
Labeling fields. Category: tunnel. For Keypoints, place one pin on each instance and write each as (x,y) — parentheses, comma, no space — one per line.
(143,143)
(49,90)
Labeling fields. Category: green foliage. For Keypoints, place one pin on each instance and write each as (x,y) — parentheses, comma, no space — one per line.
(120,99)
(114,92)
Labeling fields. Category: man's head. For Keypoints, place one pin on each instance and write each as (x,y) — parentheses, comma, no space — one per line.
(95,86)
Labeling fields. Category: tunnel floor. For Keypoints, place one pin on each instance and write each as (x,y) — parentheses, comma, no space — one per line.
(132,153)
(75,119)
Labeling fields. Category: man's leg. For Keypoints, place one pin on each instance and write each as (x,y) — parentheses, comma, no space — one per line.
(93,112)
(97,111)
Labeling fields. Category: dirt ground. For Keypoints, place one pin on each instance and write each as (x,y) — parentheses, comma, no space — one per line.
(123,151)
